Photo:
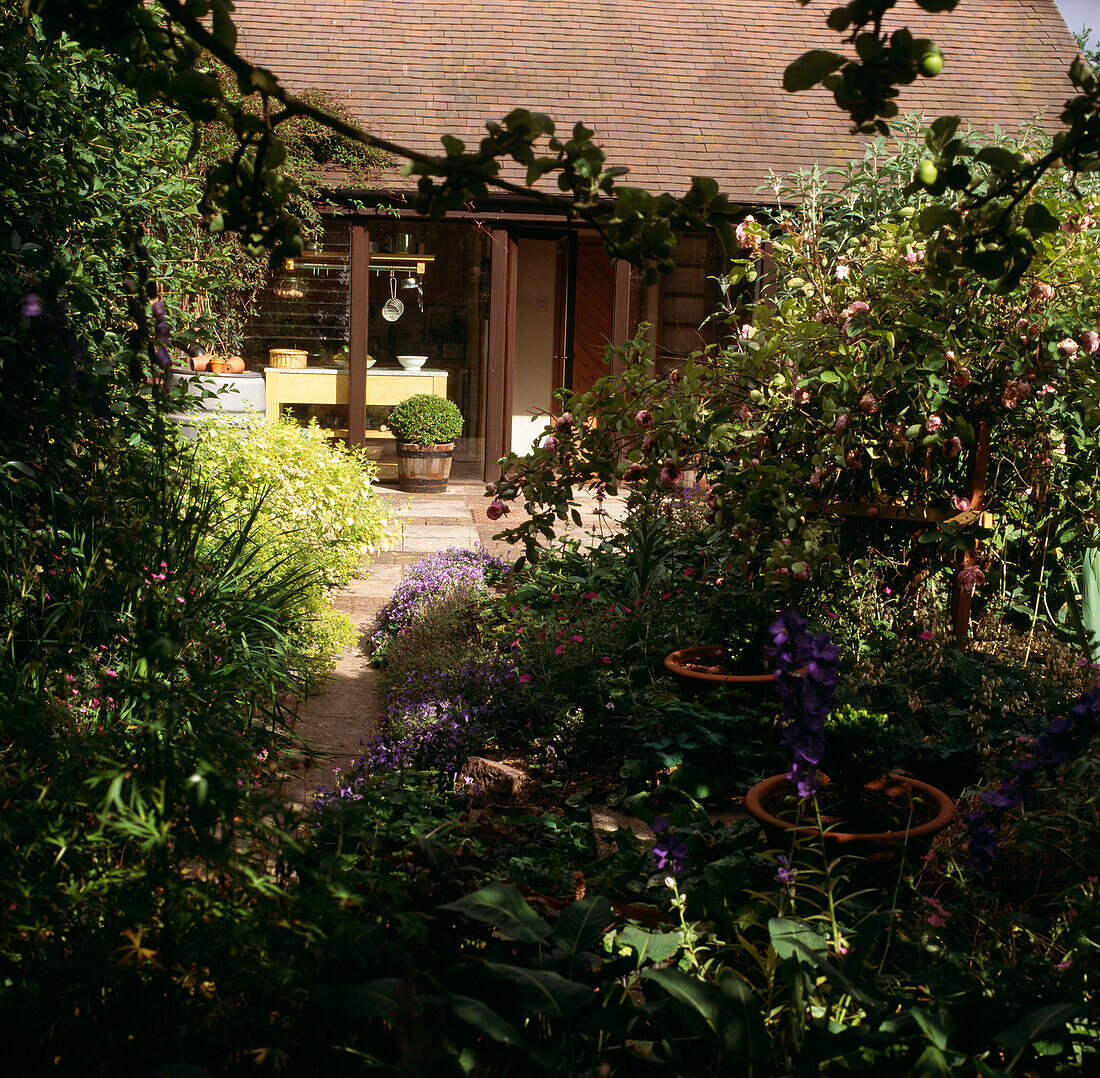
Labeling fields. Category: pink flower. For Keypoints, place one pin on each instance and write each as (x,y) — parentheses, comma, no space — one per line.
(962,504)
(745,331)
(1069,346)
(867,404)
(841,424)
(859,307)
(1047,389)
(953,446)
(559,649)
(670,472)
(674,377)
(961,378)
(1015,392)
(564,422)
(647,441)
(927,634)
(914,258)
(842,271)
(524,678)
(496,509)
(826,314)
(1090,341)
(933,424)
(1066,963)
(633,473)
(815,479)
(605,659)
(550,444)
(644,419)
(1041,292)
(969,578)
(950,355)
(747,232)
(575,639)
(938,917)
(590,595)
(853,458)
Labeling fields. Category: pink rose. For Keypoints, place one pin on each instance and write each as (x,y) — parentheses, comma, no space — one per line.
(1090,341)
(1041,292)
(644,419)
(746,232)
(961,378)
(564,422)
(1069,346)
(633,473)
(953,446)
(867,404)
(914,258)
(969,578)
(841,424)
(670,473)
(550,444)
(496,509)
(933,424)
(962,504)
(647,441)
(1047,388)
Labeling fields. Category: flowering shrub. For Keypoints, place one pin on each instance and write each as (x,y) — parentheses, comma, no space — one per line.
(436,578)
(861,386)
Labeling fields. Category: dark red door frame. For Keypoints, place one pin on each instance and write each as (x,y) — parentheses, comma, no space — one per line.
(357,336)
(503,278)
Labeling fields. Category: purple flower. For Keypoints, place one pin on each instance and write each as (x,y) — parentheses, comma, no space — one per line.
(784,873)
(806,673)
(670,850)
(32,306)
(1065,738)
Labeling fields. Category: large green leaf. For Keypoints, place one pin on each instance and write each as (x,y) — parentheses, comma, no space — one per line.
(582,924)
(788,934)
(540,991)
(650,946)
(502,906)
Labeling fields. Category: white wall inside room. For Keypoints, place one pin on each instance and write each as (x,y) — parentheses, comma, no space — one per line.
(534,367)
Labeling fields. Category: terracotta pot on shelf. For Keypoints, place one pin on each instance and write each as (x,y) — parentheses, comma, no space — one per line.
(695,683)
(876,846)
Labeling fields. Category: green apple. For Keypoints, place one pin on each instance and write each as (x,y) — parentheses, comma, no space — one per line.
(927,172)
(931,63)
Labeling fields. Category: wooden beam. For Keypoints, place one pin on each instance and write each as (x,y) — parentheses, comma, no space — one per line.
(357,336)
(502,334)
(620,310)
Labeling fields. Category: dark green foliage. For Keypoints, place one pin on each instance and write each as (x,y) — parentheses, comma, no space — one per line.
(424,419)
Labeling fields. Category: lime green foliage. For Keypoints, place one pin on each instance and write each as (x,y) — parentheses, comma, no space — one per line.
(320,494)
(318,513)
(424,419)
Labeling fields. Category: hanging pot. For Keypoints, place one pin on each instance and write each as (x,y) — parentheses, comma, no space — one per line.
(393,308)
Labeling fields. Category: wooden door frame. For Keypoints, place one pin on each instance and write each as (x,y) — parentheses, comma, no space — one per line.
(359,279)
(503,281)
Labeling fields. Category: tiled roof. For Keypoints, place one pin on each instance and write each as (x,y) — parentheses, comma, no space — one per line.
(673,88)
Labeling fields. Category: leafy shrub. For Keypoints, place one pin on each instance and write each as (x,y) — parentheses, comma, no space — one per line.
(321,494)
(425,419)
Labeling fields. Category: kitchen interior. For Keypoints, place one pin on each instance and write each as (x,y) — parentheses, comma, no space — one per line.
(428,299)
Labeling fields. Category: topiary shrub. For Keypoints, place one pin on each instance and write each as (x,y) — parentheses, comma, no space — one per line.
(425,419)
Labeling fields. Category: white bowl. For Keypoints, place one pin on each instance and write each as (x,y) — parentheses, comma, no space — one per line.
(412,363)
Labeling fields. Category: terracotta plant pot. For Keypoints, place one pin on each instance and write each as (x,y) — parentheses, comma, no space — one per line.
(871,845)
(423,469)
(696,683)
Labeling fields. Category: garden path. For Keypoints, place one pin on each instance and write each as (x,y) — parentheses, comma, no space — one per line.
(347,710)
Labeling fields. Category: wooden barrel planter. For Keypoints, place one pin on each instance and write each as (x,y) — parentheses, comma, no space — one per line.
(423,469)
